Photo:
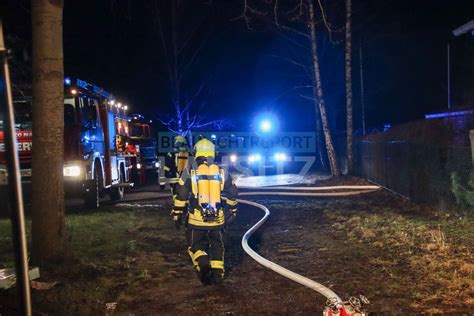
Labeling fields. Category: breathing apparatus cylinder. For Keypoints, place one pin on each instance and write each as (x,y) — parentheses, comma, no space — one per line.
(214,186)
(203,185)
(182,163)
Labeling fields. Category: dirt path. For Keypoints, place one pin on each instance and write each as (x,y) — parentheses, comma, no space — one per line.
(245,290)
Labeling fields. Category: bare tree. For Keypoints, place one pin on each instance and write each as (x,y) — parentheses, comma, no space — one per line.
(182,42)
(318,91)
(350,154)
(48,131)
(303,11)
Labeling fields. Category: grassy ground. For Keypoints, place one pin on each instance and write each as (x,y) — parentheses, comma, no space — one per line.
(407,259)
(435,251)
(105,257)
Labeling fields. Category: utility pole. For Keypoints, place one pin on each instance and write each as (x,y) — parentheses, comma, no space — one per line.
(15,194)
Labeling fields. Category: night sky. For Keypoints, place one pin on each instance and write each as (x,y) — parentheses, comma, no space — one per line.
(115,44)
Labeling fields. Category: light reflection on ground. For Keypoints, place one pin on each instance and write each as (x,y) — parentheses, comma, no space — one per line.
(280,179)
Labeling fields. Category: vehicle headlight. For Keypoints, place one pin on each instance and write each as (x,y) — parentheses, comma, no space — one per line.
(157,164)
(233,158)
(254,158)
(139,165)
(72,171)
(280,157)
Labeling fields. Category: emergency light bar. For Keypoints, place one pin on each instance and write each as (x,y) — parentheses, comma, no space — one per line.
(91,87)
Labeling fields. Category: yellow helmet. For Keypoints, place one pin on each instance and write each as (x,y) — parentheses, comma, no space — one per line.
(204,148)
(179,140)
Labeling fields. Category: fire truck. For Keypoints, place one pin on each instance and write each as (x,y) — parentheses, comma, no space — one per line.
(145,167)
(96,134)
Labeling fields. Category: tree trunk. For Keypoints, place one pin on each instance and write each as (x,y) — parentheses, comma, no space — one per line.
(319,138)
(318,92)
(48,131)
(350,154)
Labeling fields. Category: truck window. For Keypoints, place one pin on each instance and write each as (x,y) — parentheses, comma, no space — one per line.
(23,117)
(69,112)
(137,130)
(89,116)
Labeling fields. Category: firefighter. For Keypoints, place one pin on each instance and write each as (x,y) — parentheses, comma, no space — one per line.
(198,201)
(176,161)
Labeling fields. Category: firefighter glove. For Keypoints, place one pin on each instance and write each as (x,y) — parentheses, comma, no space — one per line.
(177,218)
(232,215)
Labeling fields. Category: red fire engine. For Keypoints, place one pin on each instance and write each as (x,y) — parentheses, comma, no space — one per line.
(96,151)
(145,167)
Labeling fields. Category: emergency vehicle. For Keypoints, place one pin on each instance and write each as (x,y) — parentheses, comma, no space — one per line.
(96,134)
(145,166)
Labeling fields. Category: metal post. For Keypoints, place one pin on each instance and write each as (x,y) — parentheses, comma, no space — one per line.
(15,194)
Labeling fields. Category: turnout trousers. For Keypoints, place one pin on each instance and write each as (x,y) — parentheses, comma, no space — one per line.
(206,249)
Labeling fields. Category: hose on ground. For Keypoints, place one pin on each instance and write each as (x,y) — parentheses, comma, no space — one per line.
(323,188)
(321,289)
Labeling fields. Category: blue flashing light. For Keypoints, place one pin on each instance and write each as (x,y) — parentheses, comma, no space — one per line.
(67,81)
(266,123)
(213,137)
(266,126)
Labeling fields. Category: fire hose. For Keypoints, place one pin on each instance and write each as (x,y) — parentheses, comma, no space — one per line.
(334,302)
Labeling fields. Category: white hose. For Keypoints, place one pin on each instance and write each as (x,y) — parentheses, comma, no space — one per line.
(328,293)
(309,194)
(326,188)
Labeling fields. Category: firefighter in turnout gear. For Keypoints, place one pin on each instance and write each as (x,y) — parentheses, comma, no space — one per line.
(176,161)
(198,201)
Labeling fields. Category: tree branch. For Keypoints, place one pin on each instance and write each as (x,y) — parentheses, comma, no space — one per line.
(244,15)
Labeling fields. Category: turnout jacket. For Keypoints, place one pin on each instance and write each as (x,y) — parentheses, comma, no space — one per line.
(175,163)
(186,200)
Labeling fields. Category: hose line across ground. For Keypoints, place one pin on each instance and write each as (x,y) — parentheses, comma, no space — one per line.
(321,289)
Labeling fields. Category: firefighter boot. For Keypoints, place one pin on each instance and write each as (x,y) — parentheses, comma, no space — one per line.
(217,271)
(204,270)
(201,264)
(217,276)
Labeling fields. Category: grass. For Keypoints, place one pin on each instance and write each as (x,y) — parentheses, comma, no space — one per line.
(6,244)
(102,262)
(92,234)
(438,252)
(84,237)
